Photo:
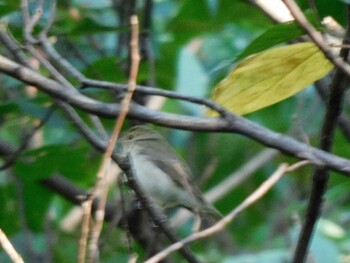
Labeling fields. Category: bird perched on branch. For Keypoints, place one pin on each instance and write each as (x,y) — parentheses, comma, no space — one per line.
(161,173)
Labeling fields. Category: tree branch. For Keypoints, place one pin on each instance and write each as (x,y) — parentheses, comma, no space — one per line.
(231,123)
(338,86)
(316,37)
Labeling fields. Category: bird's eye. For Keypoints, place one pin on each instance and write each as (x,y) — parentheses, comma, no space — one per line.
(130,137)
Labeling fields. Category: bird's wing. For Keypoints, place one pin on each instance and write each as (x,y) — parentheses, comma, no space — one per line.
(167,160)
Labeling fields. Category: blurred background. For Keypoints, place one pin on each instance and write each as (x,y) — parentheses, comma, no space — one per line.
(187,46)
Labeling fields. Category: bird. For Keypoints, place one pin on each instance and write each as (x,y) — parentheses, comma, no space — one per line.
(161,173)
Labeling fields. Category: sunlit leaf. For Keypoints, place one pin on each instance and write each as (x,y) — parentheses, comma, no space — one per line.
(271,76)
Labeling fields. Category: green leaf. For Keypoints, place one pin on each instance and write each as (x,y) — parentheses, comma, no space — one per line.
(37,200)
(278,34)
(324,8)
(8,6)
(271,76)
(107,69)
(43,162)
(86,26)
(9,208)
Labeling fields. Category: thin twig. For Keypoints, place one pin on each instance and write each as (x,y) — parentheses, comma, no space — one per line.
(100,145)
(230,124)
(84,130)
(65,188)
(335,98)
(273,10)
(154,213)
(243,173)
(61,61)
(51,18)
(157,92)
(219,226)
(135,60)
(317,37)
(65,65)
(27,138)
(344,119)
(231,182)
(233,124)
(31,21)
(10,43)
(102,133)
(53,71)
(87,207)
(29,24)
(9,249)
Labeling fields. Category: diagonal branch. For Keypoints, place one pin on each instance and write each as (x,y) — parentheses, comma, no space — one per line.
(231,124)
(220,225)
(338,86)
(152,210)
(316,37)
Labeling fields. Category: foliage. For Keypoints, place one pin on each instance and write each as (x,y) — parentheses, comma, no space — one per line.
(270,77)
(193,44)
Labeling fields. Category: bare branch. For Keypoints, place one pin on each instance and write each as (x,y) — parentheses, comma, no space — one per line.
(26,140)
(156,215)
(155,91)
(219,226)
(317,37)
(9,249)
(101,175)
(246,171)
(335,98)
(85,229)
(231,124)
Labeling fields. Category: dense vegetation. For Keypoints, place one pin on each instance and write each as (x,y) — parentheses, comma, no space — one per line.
(49,165)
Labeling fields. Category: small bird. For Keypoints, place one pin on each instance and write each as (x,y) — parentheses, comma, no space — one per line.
(161,173)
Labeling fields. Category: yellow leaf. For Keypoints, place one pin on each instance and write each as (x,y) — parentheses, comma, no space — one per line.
(270,76)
